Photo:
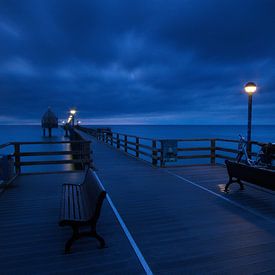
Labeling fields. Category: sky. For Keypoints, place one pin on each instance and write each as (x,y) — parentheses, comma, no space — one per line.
(137,61)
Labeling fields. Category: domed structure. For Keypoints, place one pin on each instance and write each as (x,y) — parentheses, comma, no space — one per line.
(49,120)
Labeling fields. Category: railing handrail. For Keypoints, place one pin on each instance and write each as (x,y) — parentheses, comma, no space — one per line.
(47,142)
(155,150)
(132,136)
(80,152)
(5,145)
(189,139)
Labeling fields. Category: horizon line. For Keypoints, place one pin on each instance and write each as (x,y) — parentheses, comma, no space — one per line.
(103,124)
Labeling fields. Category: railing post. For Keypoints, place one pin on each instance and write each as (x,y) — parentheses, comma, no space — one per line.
(125,143)
(112,141)
(107,138)
(154,153)
(137,147)
(213,151)
(17,158)
(117,141)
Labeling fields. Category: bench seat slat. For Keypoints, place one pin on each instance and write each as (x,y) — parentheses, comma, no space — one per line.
(81,205)
(75,193)
(62,204)
(71,203)
(67,205)
(79,200)
(75,203)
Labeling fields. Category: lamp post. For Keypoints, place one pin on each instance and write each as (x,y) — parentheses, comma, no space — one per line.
(72,112)
(250,88)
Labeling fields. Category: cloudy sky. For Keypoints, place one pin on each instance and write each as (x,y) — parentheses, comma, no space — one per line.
(137,61)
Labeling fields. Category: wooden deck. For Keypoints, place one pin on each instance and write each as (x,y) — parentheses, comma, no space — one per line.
(180,219)
(31,242)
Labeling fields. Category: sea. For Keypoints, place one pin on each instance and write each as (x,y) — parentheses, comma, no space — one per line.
(8,133)
(262,133)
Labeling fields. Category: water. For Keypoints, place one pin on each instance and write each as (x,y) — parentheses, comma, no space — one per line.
(260,133)
(34,133)
(21,133)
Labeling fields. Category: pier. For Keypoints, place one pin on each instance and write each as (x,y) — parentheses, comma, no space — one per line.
(159,217)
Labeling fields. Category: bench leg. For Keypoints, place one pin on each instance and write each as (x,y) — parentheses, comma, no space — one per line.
(74,237)
(93,234)
(227,185)
(241,184)
(99,238)
(232,181)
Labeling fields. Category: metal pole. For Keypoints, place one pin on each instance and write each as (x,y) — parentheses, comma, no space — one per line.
(73,121)
(249,124)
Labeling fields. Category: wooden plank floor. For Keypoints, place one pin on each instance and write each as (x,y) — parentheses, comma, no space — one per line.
(31,242)
(182,221)
(254,198)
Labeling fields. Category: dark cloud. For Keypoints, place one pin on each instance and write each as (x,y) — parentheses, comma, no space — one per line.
(153,61)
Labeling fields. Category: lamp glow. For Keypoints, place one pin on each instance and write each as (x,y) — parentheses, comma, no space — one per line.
(250,87)
(73,111)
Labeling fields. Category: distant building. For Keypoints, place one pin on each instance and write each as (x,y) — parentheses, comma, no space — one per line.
(49,121)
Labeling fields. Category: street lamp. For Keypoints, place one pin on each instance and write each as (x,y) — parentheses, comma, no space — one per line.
(72,112)
(250,88)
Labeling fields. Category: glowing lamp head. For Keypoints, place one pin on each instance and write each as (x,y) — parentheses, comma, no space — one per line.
(73,111)
(250,87)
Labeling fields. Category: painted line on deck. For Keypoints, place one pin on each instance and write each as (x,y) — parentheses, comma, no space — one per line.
(223,198)
(127,232)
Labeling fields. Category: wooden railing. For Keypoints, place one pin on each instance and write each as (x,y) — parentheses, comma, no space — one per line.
(139,147)
(195,151)
(79,151)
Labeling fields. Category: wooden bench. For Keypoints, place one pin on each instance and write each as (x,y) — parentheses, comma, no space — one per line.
(80,206)
(239,172)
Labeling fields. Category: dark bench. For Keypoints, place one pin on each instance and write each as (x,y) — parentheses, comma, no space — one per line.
(80,206)
(239,172)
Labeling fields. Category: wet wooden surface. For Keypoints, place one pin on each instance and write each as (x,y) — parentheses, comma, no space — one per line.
(181,220)
(31,242)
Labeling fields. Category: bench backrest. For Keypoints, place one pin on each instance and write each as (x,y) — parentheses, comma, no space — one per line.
(259,176)
(95,195)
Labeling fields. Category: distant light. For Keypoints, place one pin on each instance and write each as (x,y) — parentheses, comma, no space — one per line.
(73,111)
(250,87)
(78,122)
